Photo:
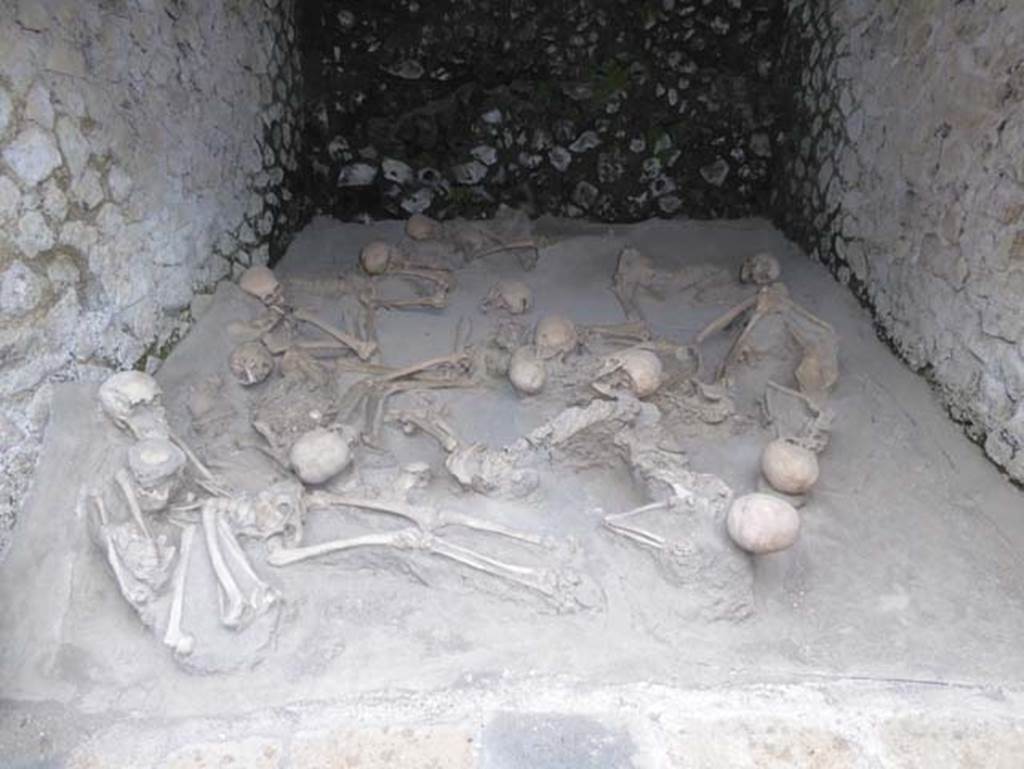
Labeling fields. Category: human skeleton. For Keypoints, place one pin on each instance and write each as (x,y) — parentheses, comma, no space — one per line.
(150,549)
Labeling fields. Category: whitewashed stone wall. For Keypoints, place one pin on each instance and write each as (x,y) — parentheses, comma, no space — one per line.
(903,171)
(145,152)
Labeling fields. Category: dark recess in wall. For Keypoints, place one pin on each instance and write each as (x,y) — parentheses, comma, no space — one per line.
(614,110)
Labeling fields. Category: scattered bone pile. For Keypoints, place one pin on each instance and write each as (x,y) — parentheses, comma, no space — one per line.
(319,398)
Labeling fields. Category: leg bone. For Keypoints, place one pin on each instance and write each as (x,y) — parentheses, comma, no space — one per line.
(232,601)
(432,425)
(726,318)
(642,536)
(125,484)
(364,349)
(262,596)
(424,518)
(181,642)
(534,579)
(402,538)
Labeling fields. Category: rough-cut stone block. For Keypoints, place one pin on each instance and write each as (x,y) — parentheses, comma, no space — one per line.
(253,753)
(73,144)
(33,155)
(10,197)
(749,743)
(38,107)
(553,741)
(915,743)
(33,235)
(431,747)
(6,107)
(21,290)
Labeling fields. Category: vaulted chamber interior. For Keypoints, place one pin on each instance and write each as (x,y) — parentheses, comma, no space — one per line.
(547,279)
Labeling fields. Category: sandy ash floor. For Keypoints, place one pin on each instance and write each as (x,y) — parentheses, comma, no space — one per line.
(908,567)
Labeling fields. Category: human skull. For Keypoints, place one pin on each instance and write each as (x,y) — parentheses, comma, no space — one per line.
(789,467)
(134,401)
(260,282)
(760,269)
(763,523)
(422,227)
(156,465)
(526,371)
(251,363)
(511,295)
(555,335)
(319,454)
(642,370)
(377,256)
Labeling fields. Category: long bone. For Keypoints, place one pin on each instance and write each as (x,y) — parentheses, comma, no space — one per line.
(232,602)
(369,317)
(417,539)
(386,374)
(443,281)
(125,484)
(363,348)
(262,596)
(427,519)
(390,373)
(813,434)
(175,637)
(279,346)
(451,359)
(379,402)
(725,319)
(429,423)
(614,523)
(534,579)
(365,401)
(405,539)
(201,468)
(371,395)
(522,244)
(769,300)
(636,331)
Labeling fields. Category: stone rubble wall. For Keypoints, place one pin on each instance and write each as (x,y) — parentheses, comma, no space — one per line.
(615,111)
(902,170)
(146,151)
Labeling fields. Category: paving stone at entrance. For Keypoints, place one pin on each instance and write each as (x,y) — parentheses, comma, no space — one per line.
(553,741)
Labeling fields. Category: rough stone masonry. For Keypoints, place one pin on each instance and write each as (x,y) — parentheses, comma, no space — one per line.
(616,111)
(144,155)
(902,172)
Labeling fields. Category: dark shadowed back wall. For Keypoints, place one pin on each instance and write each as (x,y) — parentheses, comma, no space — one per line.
(607,109)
